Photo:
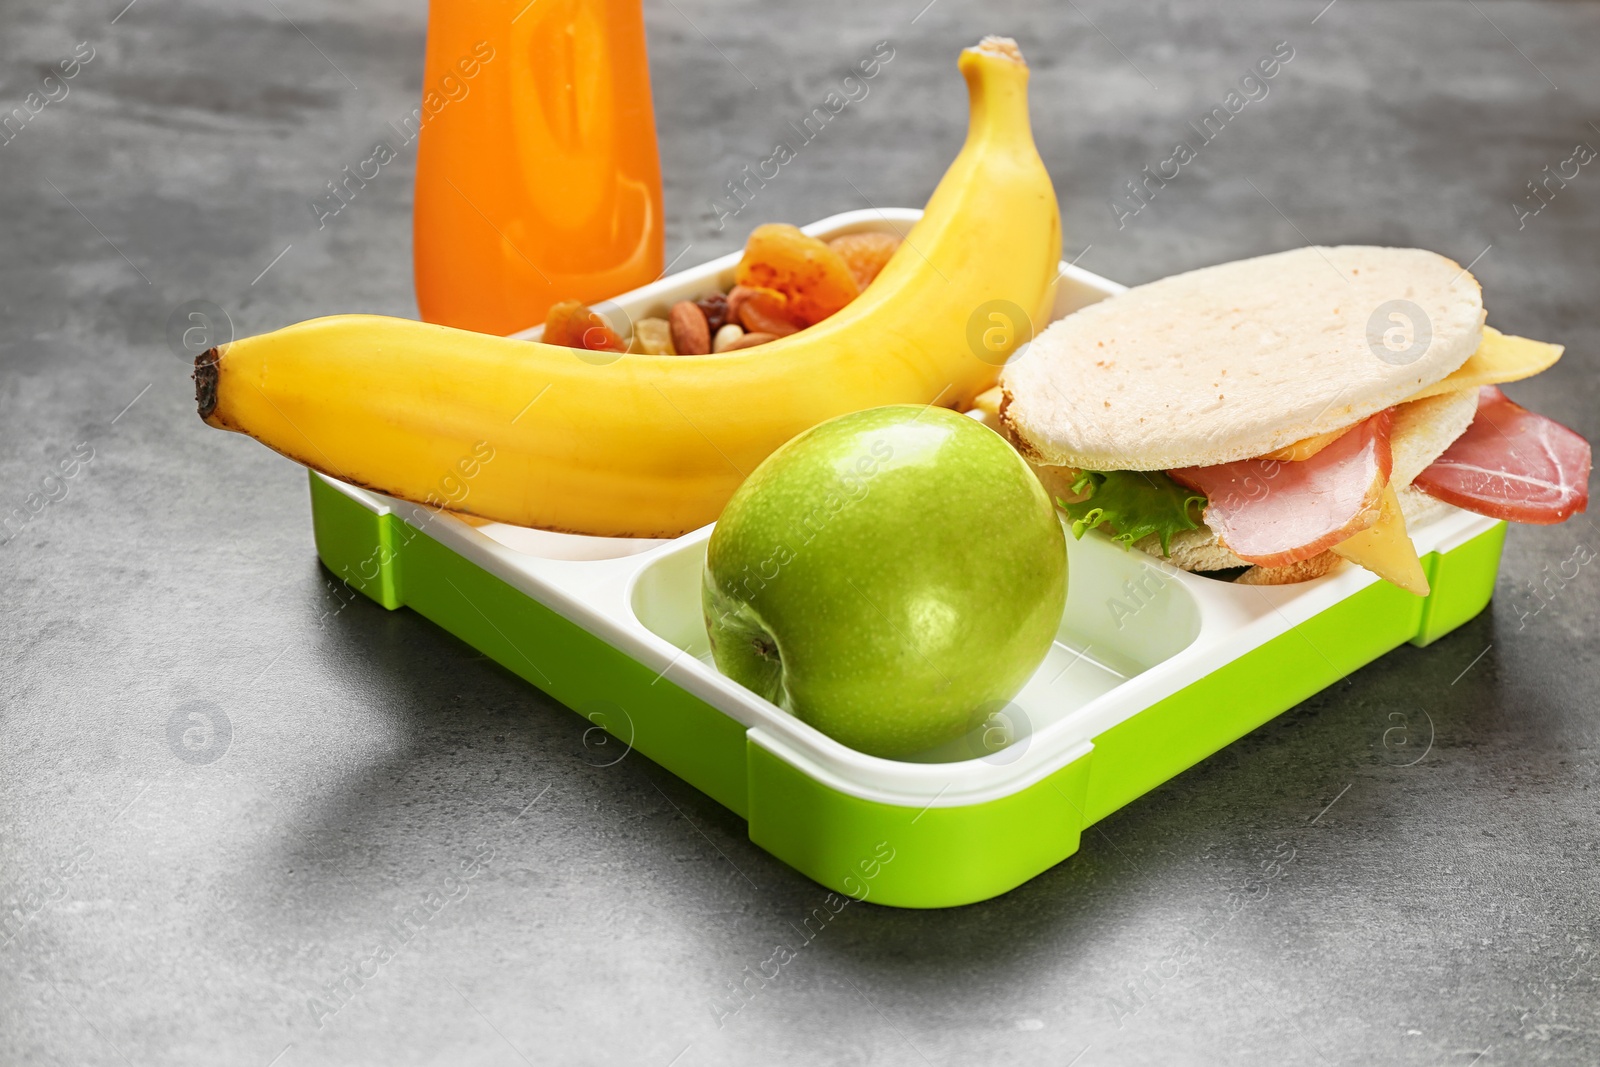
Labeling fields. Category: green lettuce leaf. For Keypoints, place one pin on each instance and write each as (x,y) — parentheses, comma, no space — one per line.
(1134,504)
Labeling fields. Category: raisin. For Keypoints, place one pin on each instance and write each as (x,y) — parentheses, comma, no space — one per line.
(714,306)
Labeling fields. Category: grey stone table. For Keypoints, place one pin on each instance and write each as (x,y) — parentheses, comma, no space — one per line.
(1440,805)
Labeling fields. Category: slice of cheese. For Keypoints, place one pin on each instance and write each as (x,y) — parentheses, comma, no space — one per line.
(1385,549)
(1499,358)
(1306,448)
(988,402)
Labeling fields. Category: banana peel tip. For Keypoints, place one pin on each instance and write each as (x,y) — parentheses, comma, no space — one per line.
(1003,47)
(205,381)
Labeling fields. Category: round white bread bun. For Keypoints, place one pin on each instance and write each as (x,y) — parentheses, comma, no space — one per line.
(1233,361)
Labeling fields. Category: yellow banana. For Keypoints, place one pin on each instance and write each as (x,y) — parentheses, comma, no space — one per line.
(653,446)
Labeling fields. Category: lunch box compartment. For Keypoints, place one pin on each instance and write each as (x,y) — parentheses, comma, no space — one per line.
(1125,614)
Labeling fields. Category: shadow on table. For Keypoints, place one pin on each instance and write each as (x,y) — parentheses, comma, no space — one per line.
(476,756)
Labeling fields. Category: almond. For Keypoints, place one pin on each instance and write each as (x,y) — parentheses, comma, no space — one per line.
(750,340)
(691,334)
(735,298)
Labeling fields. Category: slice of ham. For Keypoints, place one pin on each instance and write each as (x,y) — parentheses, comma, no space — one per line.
(1512,464)
(1277,512)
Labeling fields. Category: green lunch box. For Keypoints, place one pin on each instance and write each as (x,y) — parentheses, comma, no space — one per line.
(1152,670)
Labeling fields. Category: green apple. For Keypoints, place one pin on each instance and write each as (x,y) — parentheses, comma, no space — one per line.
(888,577)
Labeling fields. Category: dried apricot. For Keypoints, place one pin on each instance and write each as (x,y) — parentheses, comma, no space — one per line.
(865,253)
(573,324)
(762,310)
(815,279)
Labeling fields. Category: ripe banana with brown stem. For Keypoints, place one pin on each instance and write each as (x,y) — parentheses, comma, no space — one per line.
(653,446)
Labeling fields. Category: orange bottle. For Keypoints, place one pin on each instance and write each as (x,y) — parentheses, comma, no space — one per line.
(537,173)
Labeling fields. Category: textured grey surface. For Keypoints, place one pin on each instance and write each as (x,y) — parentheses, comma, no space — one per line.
(162,911)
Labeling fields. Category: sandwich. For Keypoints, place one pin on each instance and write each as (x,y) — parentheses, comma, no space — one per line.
(1268,419)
